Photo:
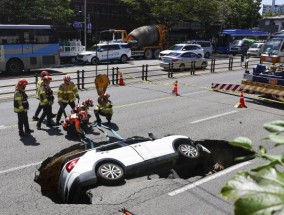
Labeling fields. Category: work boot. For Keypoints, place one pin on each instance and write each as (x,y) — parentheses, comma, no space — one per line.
(29,131)
(38,126)
(35,118)
(22,134)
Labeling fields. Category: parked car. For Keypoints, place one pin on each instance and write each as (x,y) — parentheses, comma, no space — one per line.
(112,163)
(205,44)
(183,47)
(105,52)
(256,49)
(183,60)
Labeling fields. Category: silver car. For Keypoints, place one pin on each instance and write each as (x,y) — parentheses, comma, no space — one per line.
(256,49)
(183,60)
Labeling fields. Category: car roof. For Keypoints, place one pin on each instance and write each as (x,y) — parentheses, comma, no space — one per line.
(186,44)
(99,44)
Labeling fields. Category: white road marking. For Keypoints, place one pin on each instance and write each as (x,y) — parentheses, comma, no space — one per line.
(208,178)
(2,127)
(19,167)
(212,117)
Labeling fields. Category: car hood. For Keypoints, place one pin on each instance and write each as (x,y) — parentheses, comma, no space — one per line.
(87,53)
(166,51)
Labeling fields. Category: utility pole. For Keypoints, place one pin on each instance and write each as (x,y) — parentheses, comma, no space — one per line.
(85,24)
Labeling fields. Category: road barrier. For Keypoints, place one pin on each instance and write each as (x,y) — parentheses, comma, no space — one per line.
(85,79)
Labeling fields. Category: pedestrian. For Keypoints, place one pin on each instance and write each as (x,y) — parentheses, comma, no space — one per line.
(103,108)
(21,107)
(38,85)
(72,123)
(67,94)
(46,101)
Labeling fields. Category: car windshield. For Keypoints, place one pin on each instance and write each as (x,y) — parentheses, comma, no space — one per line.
(272,46)
(176,47)
(237,43)
(256,45)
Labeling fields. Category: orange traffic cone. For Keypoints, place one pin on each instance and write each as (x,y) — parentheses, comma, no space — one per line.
(126,212)
(175,89)
(241,103)
(121,81)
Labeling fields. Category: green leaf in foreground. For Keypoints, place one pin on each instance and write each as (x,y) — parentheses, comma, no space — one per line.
(275,126)
(259,193)
(242,142)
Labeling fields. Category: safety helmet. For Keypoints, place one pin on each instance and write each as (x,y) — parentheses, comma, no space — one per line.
(106,95)
(83,115)
(67,78)
(22,83)
(44,73)
(88,102)
(48,78)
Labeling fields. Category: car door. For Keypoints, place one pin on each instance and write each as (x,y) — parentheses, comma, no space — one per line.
(196,58)
(153,149)
(186,60)
(103,53)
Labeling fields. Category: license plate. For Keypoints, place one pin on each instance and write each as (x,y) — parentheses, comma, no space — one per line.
(272,80)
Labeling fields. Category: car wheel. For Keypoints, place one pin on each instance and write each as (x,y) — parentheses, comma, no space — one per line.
(148,54)
(94,61)
(203,65)
(14,66)
(123,59)
(182,67)
(207,55)
(110,173)
(188,151)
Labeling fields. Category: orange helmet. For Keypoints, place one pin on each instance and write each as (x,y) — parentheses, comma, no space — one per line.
(83,115)
(88,102)
(67,78)
(48,78)
(22,83)
(44,73)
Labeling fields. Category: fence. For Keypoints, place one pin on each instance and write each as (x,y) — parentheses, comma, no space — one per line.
(85,79)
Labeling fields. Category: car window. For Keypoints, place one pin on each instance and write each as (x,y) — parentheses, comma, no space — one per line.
(186,55)
(190,48)
(176,47)
(174,54)
(126,46)
(109,147)
(114,47)
(193,55)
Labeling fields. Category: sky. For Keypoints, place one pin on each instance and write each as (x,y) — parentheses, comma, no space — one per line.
(270,2)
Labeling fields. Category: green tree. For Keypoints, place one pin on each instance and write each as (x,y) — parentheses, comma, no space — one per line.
(261,190)
(56,12)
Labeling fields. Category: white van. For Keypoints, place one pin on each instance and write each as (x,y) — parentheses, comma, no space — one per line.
(205,44)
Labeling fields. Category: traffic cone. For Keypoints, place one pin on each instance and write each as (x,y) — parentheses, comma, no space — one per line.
(121,81)
(126,212)
(241,103)
(175,89)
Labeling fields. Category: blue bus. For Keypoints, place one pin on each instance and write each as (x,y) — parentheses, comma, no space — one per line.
(26,47)
(223,39)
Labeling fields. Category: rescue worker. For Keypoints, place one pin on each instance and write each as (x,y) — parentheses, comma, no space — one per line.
(84,106)
(38,84)
(67,94)
(46,101)
(72,124)
(21,107)
(103,108)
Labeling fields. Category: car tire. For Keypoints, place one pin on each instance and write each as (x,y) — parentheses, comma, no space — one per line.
(94,61)
(203,65)
(207,55)
(187,150)
(123,59)
(110,173)
(15,66)
(182,67)
(148,54)
(157,53)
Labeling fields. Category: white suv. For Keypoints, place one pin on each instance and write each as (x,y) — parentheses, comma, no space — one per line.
(184,47)
(103,52)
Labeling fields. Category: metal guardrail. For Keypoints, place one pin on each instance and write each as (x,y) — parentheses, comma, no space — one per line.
(83,79)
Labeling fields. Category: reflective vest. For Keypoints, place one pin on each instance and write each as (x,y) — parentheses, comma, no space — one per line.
(21,103)
(45,95)
(67,93)
(72,119)
(38,85)
(105,108)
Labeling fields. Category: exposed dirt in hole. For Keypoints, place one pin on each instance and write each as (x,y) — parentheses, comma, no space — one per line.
(222,156)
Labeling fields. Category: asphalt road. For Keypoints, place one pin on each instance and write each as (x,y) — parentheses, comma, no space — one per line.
(139,108)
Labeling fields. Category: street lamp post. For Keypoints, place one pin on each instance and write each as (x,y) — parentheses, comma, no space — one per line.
(85,24)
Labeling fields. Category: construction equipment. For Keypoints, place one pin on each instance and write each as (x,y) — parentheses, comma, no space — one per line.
(146,41)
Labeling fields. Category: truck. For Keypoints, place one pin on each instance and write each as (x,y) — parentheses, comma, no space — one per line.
(145,41)
(267,78)
(69,49)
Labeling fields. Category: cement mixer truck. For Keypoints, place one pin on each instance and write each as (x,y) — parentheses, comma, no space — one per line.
(146,41)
